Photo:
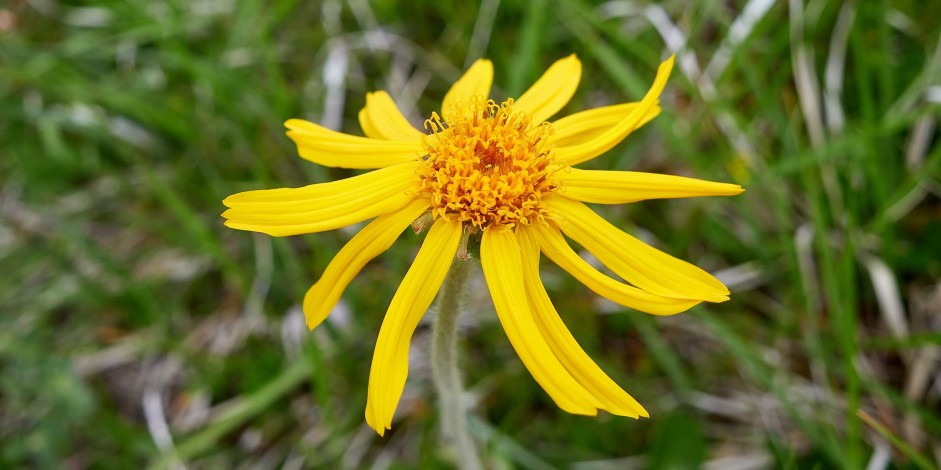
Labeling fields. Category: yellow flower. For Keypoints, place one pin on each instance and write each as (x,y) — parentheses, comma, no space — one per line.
(503,173)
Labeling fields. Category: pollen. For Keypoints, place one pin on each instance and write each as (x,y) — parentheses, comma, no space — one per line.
(488,166)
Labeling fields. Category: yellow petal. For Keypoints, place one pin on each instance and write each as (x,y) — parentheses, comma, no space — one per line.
(589,124)
(390,360)
(584,151)
(321,207)
(381,119)
(553,245)
(500,258)
(475,82)
(637,262)
(564,345)
(619,187)
(331,148)
(371,241)
(552,91)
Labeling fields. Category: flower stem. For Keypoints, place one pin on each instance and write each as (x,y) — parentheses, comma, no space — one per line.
(445,374)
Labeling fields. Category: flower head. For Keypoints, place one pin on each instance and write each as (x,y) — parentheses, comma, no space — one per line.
(501,170)
(488,167)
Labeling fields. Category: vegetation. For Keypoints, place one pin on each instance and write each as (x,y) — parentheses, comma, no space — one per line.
(137,330)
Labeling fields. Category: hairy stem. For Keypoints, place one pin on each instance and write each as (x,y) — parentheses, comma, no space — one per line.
(447,378)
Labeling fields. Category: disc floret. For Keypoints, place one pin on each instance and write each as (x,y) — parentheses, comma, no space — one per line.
(488,166)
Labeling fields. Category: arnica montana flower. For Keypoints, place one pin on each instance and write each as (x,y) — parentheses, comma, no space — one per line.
(501,173)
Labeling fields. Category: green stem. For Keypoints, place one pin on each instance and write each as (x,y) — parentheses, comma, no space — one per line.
(445,374)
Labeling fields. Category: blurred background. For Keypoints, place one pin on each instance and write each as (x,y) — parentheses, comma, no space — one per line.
(137,331)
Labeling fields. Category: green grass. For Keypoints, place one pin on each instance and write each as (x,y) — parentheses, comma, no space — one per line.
(124,125)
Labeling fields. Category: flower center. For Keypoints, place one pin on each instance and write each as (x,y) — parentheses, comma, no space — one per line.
(488,166)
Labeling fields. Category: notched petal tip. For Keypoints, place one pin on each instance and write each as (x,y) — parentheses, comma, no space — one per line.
(635,412)
(380,429)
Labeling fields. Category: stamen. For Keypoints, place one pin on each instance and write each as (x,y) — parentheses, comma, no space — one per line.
(434,122)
